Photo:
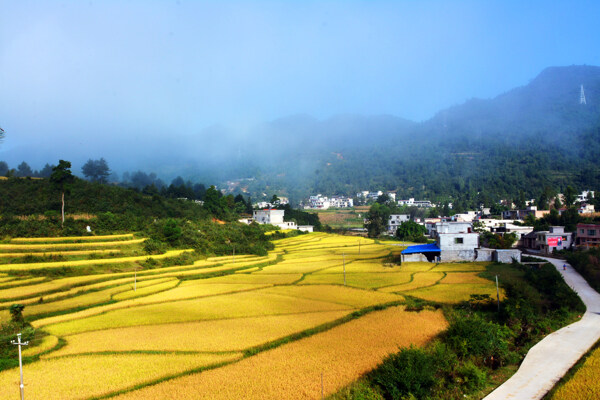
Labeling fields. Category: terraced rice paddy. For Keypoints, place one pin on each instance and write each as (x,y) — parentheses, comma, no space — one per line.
(585,383)
(266,327)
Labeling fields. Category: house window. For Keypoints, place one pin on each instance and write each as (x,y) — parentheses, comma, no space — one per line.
(458,240)
(582,231)
(591,232)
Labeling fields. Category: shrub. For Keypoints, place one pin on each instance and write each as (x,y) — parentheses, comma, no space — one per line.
(153,246)
(485,341)
(409,372)
(471,376)
(16,312)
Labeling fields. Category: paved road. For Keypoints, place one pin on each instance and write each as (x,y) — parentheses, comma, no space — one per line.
(551,358)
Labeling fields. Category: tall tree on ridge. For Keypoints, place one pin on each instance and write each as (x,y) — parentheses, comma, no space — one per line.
(62,178)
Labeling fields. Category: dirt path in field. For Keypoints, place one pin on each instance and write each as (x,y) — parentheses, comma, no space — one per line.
(551,358)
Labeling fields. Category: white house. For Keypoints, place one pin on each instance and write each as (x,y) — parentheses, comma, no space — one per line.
(555,238)
(456,240)
(415,203)
(394,222)
(268,216)
(275,217)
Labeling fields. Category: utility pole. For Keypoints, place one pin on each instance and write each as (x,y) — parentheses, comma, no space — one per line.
(344,261)
(497,293)
(359,240)
(582,96)
(19,343)
(233,253)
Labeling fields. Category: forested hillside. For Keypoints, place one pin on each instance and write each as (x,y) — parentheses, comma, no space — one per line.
(533,138)
(529,139)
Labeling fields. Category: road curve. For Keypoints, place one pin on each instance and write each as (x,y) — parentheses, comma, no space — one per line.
(552,357)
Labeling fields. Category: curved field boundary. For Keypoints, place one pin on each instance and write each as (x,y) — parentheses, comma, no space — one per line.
(70,238)
(79,263)
(55,246)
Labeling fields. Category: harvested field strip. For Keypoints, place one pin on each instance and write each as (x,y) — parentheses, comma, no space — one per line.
(464,277)
(60,253)
(360,280)
(418,266)
(145,291)
(247,271)
(45,344)
(87,299)
(197,289)
(585,383)
(275,279)
(454,293)
(68,286)
(293,371)
(71,238)
(352,297)
(206,336)
(88,376)
(420,279)
(243,304)
(239,257)
(79,263)
(171,295)
(13,282)
(56,246)
(362,266)
(297,268)
(460,267)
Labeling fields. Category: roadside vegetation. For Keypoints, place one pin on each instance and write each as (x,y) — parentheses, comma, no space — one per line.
(482,346)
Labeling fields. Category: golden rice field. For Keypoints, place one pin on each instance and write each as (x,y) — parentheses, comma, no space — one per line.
(585,383)
(293,371)
(88,376)
(152,341)
(71,238)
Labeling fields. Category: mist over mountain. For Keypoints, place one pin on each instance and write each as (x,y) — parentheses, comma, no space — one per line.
(529,138)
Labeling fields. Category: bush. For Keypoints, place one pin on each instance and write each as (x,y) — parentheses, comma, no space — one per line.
(486,342)
(16,313)
(409,372)
(471,376)
(153,246)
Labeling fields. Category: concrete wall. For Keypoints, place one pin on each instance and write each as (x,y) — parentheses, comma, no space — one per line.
(507,256)
(416,257)
(484,254)
(458,255)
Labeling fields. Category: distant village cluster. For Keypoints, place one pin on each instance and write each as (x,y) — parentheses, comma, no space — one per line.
(458,237)
(320,202)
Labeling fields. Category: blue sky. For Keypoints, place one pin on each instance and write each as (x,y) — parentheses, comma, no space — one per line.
(136,69)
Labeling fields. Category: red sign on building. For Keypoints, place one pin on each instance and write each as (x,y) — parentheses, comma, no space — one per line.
(554,241)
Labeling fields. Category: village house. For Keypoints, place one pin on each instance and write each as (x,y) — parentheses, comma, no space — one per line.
(275,217)
(522,214)
(394,222)
(456,241)
(554,239)
(320,202)
(415,203)
(587,235)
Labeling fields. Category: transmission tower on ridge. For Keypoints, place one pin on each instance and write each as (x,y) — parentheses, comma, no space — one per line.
(582,96)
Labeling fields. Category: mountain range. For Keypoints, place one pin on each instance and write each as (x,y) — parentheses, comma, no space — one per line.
(529,139)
